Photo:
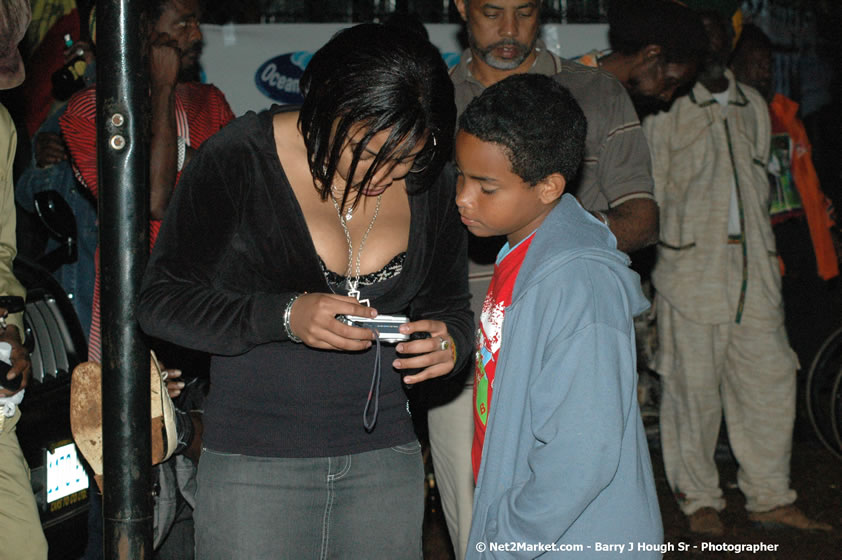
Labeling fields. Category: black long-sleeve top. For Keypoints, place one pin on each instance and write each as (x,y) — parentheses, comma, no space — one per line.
(233,249)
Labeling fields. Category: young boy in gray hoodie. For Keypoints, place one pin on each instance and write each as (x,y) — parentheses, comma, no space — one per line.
(559,452)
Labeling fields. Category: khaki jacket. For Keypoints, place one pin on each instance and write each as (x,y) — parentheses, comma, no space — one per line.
(697,155)
(9,285)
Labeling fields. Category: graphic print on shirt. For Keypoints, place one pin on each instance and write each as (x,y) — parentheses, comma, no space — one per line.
(784,201)
(490,338)
(488,345)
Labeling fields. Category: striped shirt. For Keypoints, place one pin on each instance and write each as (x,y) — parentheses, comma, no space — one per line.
(201,110)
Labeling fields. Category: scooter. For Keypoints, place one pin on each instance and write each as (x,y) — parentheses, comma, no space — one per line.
(56,343)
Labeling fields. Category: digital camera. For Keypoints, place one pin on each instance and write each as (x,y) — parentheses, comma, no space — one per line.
(386,326)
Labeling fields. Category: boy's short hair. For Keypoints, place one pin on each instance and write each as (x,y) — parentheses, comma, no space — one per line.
(536,121)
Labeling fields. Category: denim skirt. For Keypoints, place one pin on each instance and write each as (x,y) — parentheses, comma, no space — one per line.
(367,505)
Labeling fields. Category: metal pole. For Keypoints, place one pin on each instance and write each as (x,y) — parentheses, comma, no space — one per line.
(122,151)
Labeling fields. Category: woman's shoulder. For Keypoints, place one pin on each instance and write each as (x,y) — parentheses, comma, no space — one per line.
(250,133)
(253,127)
(244,126)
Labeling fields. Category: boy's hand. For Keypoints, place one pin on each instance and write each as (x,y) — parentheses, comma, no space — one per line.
(435,354)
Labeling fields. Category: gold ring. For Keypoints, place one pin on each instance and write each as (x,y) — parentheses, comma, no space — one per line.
(445,344)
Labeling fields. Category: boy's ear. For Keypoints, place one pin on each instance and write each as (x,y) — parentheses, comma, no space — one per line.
(552,187)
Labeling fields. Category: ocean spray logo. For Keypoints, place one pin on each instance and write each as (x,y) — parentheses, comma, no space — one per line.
(451,58)
(278,77)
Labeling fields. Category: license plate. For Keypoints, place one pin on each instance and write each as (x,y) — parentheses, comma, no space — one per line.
(65,474)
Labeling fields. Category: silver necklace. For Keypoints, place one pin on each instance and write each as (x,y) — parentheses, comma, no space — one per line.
(349,212)
(353,283)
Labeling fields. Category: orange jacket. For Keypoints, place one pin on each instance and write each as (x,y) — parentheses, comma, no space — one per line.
(784,111)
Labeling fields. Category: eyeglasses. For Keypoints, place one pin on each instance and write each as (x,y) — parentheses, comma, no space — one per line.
(424,160)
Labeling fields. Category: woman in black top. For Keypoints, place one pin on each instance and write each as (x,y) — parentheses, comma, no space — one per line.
(282,221)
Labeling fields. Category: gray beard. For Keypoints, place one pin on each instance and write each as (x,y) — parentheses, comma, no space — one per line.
(498,63)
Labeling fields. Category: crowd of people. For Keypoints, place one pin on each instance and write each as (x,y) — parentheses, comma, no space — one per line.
(279,238)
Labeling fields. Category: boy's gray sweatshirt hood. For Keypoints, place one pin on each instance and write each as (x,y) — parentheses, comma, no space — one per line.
(576,234)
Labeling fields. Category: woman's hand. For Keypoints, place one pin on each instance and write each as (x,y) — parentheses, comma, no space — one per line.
(313,320)
(435,360)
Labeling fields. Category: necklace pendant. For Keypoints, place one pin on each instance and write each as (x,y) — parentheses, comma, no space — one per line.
(355,293)
(349,213)
(352,288)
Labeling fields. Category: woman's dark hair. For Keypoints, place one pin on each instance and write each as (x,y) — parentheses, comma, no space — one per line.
(407,21)
(376,78)
(536,121)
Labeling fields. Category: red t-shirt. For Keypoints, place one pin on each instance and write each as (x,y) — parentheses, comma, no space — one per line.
(489,339)
(201,110)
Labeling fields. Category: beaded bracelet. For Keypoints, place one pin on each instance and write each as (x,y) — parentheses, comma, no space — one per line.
(287,316)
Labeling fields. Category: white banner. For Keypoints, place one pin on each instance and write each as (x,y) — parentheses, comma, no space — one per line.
(258,65)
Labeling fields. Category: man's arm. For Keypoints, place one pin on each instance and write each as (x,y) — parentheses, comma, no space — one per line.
(634,223)
(624,171)
(9,285)
(163,149)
